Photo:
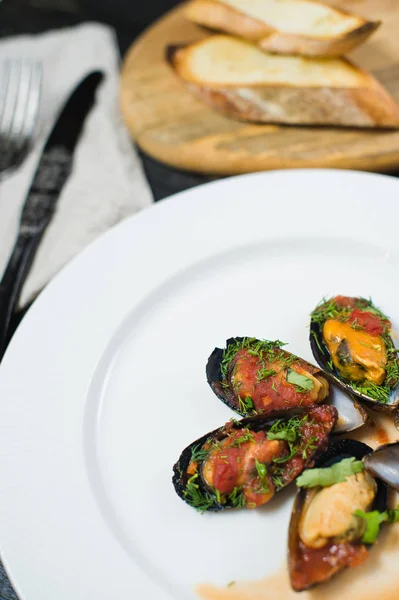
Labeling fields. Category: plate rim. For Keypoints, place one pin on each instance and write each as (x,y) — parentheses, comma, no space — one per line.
(11,359)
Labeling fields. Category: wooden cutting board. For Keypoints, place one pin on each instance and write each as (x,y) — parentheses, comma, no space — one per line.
(174,127)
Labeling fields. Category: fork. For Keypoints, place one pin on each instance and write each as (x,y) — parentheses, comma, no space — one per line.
(20,87)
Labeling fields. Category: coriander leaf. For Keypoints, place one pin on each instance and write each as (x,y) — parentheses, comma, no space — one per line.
(373,521)
(289,436)
(393,515)
(301,381)
(261,469)
(246,404)
(330,475)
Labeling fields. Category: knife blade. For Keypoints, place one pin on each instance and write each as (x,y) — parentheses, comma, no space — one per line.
(52,172)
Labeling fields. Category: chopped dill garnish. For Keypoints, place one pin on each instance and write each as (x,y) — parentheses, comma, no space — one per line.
(316,338)
(277,477)
(310,446)
(263,349)
(264,373)
(237,498)
(290,431)
(246,437)
(380,393)
(286,429)
(356,325)
(198,453)
(263,487)
(327,309)
(198,499)
(246,405)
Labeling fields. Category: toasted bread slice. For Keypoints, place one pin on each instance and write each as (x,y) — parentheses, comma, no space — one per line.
(242,82)
(305,27)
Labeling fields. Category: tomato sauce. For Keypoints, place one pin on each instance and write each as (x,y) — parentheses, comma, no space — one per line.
(368,321)
(273,392)
(313,435)
(248,460)
(313,565)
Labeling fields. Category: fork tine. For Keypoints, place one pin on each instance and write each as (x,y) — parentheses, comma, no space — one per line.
(10,97)
(20,87)
(33,101)
(16,129)
(4,79)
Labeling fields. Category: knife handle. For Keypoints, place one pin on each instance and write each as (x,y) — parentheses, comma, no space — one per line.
(13,279)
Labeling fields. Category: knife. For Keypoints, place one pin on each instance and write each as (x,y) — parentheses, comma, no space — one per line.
(53,170)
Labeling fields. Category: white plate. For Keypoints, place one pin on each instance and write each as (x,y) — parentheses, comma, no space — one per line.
(104,385)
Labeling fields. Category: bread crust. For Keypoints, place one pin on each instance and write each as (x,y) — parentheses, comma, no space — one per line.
(219,16)
(366,106)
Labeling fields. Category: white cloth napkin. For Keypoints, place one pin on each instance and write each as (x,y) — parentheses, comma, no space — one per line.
(107,182)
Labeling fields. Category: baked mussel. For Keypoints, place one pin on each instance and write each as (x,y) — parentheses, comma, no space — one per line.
(351,341)
(244,463)
(255,376)
(333,517)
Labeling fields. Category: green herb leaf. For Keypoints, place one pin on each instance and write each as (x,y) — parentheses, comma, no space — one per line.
(198,453)
(196,498)
(373,522)
(237,498)
(287,435)
(330,475)
(393,515)
(261,469)
(263,349)
(264,373)
(246,437)
(246,404)
(301,381)
(374,519)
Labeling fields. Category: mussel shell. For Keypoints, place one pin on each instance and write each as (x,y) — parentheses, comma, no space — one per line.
(335,452)
(384,464)
(322,355)
(351,414)
(214,376)
(257,423)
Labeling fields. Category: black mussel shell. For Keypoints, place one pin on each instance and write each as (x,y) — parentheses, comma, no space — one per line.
(335,452)
(222,386)
(206,499)
(215,377)
(351,415)
(323,358)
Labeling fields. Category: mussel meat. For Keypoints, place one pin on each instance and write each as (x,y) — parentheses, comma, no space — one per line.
(244,463)
(351,341)
(325,533)
(256,376)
